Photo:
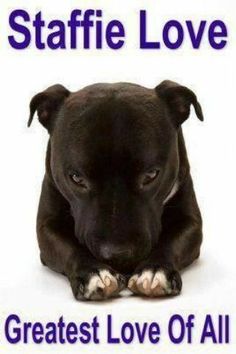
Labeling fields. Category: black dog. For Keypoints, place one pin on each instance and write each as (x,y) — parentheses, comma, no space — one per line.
(117,203)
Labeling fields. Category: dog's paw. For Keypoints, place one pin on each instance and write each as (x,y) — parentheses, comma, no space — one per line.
(155,282)
(97,285)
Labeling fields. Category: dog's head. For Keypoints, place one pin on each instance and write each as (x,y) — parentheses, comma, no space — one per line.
(114,157)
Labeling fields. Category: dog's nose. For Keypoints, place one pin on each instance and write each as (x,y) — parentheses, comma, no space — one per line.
(112,252)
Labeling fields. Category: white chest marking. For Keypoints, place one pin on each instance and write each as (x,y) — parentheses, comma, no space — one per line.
(172,192)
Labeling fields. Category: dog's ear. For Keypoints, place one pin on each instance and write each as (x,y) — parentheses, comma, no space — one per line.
(47,103)
(179,100)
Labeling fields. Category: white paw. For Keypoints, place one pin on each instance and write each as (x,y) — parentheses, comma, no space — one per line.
(154,283)
(100,285)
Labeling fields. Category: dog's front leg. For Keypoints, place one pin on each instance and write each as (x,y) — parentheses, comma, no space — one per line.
(178,246)
(156,276)
(60,250)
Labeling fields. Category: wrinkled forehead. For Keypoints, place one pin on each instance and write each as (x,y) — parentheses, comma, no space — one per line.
(115,131)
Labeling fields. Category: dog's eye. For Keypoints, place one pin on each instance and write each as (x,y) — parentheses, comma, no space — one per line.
(79,180)
(149,177)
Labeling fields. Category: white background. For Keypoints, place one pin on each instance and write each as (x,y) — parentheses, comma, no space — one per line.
(35,293)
